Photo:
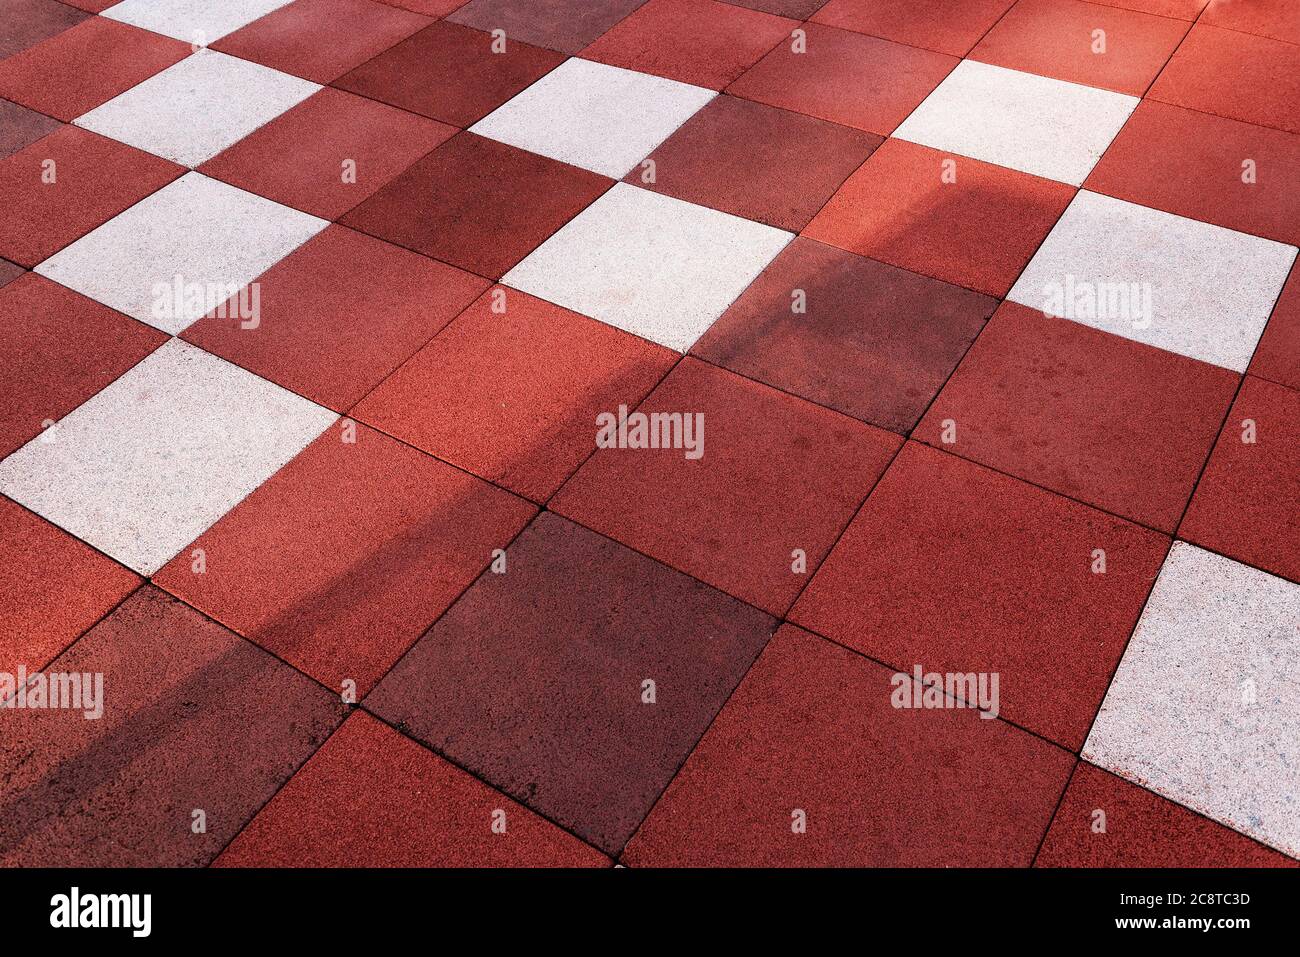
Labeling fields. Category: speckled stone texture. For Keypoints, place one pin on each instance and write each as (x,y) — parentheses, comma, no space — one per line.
(194,21)
(564,25)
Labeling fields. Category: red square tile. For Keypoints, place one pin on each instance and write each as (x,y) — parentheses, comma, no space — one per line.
(944,26)
(450,73)
(756,161)
(536,679)
(339,314)
(1137,828)
(430,8)
(329,153)
(341,559)
(194,718)
(1112,422)
(1058,38)
(25,23)
(1277,357)
(810,737)
(942,215)
(703,42)
(734,515)
(862,322)
(478,204)
(53,77)
(20,127)
(1278,19)
(513,397)
(92,180)
(321,39)
(798,9)
(1194,164)
(1179,9)
(1242,77)
(564,25)
(959,569)
(1245,505)
(59,349)
(847,78)
(371,797)
(52,588)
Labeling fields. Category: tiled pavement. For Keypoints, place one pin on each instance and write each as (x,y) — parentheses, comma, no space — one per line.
(990,311)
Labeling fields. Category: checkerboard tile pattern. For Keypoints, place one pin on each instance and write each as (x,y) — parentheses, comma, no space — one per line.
(656,432)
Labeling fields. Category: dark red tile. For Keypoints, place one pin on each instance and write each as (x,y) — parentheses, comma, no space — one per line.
(93,179)
(1104,821)
(756,161)
(1277,357)
(811,729)
(321,40)
(1277,19)
(847,78)
(703,42)
(341,559)
(20,127)
(450,73)
(1245,505)
(478,204)
(513,396)
(945,26)
(862,322)
(536,678)
(1195,164)
(339,314)
(959,569)
(194,719)
(9,272)
(373,798)
(1058,38)
(734,515)
(1242,77)
(329,153)
(798,9)
(1113,422)
(25,23)
(957,219)
(52,588)
(564,25)
(53,77)
(59,349)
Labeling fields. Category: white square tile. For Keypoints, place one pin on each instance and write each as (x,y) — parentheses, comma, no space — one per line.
(207,233)
(145,466)
(1205,707)
(196,108)
(602,118)
(1175,283)
(650,264)
(199,22)
(1046,127)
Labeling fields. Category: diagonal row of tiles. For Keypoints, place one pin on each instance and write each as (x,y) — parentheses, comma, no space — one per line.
(312,629)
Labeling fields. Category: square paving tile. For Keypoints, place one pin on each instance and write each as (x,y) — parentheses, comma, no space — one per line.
(1263,18)
(703,42)
(756,161)
(346,555)
(945,26)
(197,22)
(1035,124)
(1277,357)
(595,116)
(564,25)
(53,77)
(536,679)
(650,264)
(956,219)
(20,127)
(192,111)
(194,719)
(198,234)
(28,22)
(1117,424)
(852,769)
(373,798)
(513,396)
(1179,9)
(147,464)
(859,81)
(737,513)
(872,341)
(449,72)
(1205,707)
(478,204)
(327,334)
(1190,287)
(1245,505)
(961,570)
